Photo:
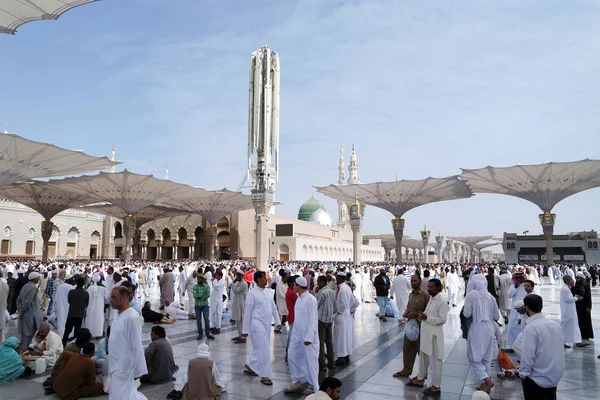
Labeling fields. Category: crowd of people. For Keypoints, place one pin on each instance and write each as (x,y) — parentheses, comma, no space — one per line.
(61,307)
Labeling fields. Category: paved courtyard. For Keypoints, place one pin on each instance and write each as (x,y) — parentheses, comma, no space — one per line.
(377,356)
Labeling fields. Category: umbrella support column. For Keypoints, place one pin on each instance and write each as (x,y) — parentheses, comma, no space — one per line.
(47,227)
(398,227)
(547,220)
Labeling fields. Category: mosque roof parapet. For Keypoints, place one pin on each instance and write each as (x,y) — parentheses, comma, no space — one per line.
(142,216)
(22,160)
(215,205)
(129,191)
(398,197)
(44,198)
(545,185)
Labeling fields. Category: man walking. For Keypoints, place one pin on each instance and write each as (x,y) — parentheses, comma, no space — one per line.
(343,329)
(304,350)
(516,292)
(382,290)
(28,307)
(568,314)
(432,339)
(166,288)
(181,285)
(401,290)
(542,358)
(216,301)
(239,287)
(326,310)
(417,302)
(201,296)
(584,308)
(260,311)
(453,286)
(493,283)
(78,300)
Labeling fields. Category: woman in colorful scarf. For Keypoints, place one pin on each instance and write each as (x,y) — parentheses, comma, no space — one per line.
(11,364)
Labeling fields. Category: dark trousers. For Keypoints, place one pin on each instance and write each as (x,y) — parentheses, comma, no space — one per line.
(410,350)
(71,323)
(202,313)
(326,340)
(532,391)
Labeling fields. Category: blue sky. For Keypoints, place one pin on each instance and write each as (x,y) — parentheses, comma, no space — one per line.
(421,89)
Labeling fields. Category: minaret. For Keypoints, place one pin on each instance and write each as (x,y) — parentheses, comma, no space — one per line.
(342,207)
(6,127)
(112,157)
(353,169)
(167,174)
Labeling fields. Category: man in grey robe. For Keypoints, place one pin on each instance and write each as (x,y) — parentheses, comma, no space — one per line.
(28,308)
(239,287)
(159,358)
(167,294)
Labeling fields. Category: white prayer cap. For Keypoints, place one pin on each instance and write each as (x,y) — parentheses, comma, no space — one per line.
(580,275)
(301,282)
(68,276)
(20,271)
(202,347)
(96,277)
(519,304)
(480,395)
(33,275)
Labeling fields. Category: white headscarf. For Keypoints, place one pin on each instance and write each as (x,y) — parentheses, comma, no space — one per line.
(480,296)
(95,280)
(203,351)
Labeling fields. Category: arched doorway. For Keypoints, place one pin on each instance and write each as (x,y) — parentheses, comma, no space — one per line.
(284,252)
(167,247)
(6,241)
(183,249)
(199,243)
(151,249)
(72,242)
(94,243)
(54,242)
(224,245)
(118,235)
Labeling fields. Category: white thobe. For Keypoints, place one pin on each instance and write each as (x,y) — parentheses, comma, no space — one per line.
(432,339)
(260,311)
(568,316)
(503,300)
(61,306)
(343,328)
(181,286)
(216,302)
(94,318)
(304,360)
(513,328)
(190,283)
(367,292)
(110,282)
(400,290)
(126,359)
(3,304)
(280,291)
(358,281)
(453,287)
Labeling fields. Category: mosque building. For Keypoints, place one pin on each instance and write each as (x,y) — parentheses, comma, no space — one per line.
(79,234)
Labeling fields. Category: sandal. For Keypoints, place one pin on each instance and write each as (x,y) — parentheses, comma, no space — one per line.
(240,341)
(413,384)
(248,371)
(266,381)
(401,374)
(431,392)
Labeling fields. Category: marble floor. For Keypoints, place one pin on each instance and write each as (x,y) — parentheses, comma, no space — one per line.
(377,356)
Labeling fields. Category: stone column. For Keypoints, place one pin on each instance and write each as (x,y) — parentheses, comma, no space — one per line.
(356,214)
(406,251)
(439,240)
(463,254)
(211,240)
(137,237)
(398,227)
(47,226)
(449,249)
(144,251)
(262,200)
(547,220)
(191,254)
(425,234)
(128,231)
(175,249)
(158,250)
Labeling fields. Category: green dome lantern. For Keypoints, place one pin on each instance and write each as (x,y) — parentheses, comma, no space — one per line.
(308,209)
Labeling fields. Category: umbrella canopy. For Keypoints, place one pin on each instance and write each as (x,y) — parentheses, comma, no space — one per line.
(22,160)
(14,13)
(142,216)
(470,241)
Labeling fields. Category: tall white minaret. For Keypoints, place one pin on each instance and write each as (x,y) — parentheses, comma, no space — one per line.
(112,157)
(353,169)
(342,207)
(167,174)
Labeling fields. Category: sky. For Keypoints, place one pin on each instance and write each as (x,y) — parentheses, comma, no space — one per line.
(420,88)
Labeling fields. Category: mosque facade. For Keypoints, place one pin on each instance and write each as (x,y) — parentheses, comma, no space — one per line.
(572,248)
(79,234)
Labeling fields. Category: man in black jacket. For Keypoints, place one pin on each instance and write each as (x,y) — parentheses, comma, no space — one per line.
(382,289)
(78,301)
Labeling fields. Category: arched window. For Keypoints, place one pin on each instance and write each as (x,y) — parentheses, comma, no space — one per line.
(118,230)
(595,245)
(590,245)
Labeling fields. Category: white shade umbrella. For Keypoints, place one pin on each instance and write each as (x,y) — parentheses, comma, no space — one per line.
(14,13)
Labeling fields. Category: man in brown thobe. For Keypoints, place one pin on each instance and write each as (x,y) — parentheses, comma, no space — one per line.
(76,377)
(203,380)
(417,302)
(167,294)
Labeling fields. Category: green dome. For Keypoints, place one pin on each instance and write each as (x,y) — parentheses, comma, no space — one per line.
(308,209)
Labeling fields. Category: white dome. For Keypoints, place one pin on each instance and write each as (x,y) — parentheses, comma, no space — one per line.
(321,217)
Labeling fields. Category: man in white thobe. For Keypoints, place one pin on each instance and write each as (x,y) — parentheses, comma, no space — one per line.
(280,291)
(401,289)
(358,282)
(343,325)
(303,354)
(503,300)
(126,358)
(453,286)
(3,306)
(95,318)
(181,285)
(515,293)
(432,339)
(191,281)
(61,304)
(216,301)
(367,286)
(259,312)
(568,313)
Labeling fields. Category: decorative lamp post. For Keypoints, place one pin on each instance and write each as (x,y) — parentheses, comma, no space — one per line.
(439,240)
(357,211)
(425,234)
(449,247)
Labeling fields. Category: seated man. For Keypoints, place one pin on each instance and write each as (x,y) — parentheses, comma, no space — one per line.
(11,364)
(175,311)
(159,358)
(76,377)
(82,336)
(203,380)
(330,389)
(44,350)
(154,317)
